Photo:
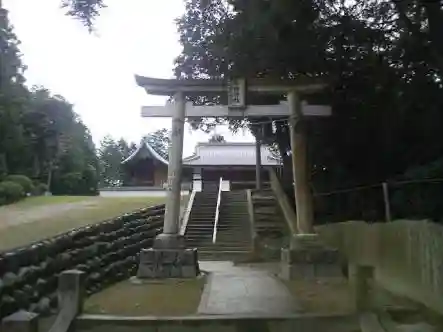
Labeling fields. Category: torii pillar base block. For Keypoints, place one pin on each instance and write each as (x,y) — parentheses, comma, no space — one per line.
(168,263)
(309,258)
(168,258)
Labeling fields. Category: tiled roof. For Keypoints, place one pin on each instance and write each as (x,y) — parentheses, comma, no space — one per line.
(145,150)
(230,154)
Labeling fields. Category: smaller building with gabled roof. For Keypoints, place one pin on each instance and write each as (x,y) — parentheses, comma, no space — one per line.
(233,162)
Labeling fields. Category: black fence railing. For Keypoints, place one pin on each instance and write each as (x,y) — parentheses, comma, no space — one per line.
(412,199)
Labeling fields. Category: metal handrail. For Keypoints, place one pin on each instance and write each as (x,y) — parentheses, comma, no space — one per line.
(251,212)
(187,213)
(217,211)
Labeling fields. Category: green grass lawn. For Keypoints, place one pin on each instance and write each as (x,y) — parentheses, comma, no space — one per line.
(40,217)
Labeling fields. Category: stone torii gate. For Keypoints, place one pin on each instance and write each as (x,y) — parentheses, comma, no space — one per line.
(237,107)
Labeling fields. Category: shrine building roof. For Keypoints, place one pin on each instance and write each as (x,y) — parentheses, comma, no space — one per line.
(213,154)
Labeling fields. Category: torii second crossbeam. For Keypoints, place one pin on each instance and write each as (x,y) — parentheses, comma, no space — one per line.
(278,110)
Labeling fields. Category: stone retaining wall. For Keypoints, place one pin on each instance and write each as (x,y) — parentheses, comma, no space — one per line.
(107,251)
(407,255)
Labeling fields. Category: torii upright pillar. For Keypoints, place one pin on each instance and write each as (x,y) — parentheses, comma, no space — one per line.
(258,166)
(170,238)
(300,167)
(169,258)
(307,256)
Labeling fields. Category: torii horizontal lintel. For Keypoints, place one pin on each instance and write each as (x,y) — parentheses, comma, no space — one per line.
(281,109)
(167,87)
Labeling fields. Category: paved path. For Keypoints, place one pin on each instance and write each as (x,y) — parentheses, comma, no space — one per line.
(243,290)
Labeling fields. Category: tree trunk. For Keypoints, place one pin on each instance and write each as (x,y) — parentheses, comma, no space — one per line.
(3,165)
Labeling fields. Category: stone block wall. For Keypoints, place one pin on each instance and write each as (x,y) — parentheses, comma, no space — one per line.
(107,252)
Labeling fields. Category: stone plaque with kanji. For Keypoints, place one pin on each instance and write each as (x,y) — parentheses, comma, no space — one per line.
(237,94)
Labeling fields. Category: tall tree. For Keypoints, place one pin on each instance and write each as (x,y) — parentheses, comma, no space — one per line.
(217,138)
(85,11)
(13,94)
(111,153)
(110,156)
(126,149)
(40,134)
(160,141)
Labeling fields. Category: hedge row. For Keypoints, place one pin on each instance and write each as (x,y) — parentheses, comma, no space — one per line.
(108,252)
(16,187)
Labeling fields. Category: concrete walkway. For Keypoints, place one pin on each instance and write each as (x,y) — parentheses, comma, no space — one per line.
(243,290)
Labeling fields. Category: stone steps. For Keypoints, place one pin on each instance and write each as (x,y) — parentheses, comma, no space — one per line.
(234,255)
(269,220)
(211,226)
(233,229)
(240,234)
(201,220)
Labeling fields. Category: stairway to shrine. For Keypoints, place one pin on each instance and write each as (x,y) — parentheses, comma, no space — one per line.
(269,220)
(269,225)
(200,225)
(234,228)
(233,239)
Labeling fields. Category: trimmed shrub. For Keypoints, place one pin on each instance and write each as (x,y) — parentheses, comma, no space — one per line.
(22,180)
(90,181)
(67,184)
(39,189)
(76,183)
(10,192)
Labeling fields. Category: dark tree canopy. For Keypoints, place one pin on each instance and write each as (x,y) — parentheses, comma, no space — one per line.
(86,11)
(40,134)
(217,138)
(386,90)
(384,61)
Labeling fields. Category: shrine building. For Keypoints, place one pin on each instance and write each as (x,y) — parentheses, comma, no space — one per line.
(233,163)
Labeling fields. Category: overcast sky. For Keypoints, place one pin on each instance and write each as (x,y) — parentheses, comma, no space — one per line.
(96,72)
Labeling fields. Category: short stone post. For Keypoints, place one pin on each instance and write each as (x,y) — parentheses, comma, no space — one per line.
(71,292)
(71,289)
(359,281)
(307,258)
(21,321)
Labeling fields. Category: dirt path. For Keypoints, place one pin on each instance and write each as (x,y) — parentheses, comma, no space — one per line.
(15,215)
